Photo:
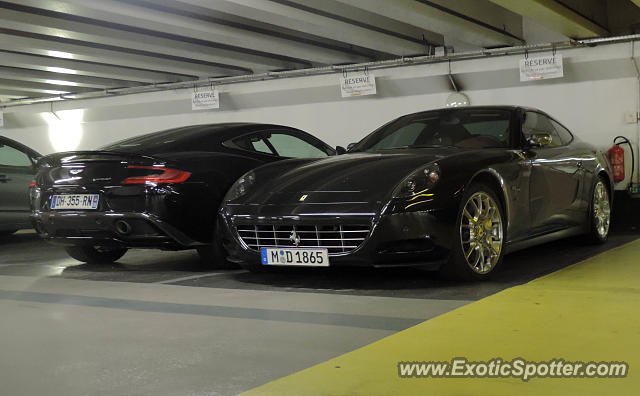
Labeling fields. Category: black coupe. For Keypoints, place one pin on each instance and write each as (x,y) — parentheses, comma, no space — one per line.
(452,189)
(160,190)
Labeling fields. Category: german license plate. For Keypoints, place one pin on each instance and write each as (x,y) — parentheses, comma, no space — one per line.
(75,201)
(295,256)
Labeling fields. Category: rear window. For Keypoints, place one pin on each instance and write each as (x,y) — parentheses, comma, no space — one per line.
(496,128)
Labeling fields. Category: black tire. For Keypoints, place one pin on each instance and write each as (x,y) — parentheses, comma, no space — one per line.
(214,256)
(457,266)
(95,254)
(596,234)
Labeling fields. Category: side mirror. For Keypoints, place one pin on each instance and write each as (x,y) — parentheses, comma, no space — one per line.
(340,150)
(539,140)
(350,146)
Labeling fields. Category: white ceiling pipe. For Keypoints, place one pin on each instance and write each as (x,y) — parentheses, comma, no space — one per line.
(332,69)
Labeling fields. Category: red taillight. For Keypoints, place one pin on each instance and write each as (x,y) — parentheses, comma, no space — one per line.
(165,175)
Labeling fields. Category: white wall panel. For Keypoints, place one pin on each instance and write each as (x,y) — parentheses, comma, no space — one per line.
(600,86)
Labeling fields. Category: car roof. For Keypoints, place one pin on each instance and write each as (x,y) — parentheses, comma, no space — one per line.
(481,107)
(213,134)
(222,131)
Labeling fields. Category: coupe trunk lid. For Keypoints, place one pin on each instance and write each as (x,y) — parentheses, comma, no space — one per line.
(89,168)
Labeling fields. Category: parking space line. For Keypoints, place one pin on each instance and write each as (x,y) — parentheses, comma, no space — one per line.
(184,278)
(375,322)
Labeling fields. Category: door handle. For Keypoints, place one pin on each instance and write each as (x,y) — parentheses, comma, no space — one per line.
(4,179)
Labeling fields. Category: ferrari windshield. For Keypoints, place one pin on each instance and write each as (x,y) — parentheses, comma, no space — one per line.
(465,128)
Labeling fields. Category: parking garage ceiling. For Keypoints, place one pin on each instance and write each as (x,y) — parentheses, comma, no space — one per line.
(60,47)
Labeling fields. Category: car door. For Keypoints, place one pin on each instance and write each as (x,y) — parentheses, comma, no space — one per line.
(16,173)
(555,178)
(582,157)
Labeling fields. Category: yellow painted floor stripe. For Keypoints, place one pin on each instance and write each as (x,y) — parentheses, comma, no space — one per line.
(587,312)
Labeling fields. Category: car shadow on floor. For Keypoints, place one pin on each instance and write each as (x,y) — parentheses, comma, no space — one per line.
(517,268)
(27,255)
(26,247)
(141,266)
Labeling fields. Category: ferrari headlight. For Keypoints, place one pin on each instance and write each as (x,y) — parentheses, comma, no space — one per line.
(241,186)
(419,182)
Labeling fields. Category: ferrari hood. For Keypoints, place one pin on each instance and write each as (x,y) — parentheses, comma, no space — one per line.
(359,176)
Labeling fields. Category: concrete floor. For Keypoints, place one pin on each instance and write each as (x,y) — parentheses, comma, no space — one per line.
(154,323)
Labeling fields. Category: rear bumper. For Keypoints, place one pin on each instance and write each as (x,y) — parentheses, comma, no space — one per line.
(125,229)
(403,239)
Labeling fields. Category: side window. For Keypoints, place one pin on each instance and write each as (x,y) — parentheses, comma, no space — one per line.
(252,142)
(258,144)
(537,124)
(10,156)
(293,147)
(564,133)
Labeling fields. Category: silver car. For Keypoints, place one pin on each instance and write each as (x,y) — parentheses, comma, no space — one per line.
(17,170)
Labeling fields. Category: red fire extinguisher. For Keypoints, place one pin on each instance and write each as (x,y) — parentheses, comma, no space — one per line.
(616,158)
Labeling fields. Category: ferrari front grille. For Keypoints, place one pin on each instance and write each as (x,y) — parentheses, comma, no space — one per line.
(335,238)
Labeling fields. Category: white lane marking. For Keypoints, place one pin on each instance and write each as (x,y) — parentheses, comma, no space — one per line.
(25,231)
(184,278)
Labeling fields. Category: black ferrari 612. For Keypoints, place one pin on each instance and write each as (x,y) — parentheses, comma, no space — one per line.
(160,190)
(452,189)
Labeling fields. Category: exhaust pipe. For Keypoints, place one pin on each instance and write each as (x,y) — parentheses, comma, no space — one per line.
(123,228)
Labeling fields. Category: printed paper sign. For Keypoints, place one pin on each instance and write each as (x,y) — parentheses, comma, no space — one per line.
(358,85)
(541,68)
(205,98)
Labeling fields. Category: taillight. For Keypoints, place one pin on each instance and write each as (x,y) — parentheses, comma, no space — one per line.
(159,175)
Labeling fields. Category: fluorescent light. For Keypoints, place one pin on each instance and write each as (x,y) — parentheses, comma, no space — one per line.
(60,54)
(65,129)
(61,82)
(61,70)
(54,92)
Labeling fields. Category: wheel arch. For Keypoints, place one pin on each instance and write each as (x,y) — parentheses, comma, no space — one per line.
(491,177)
(607,180)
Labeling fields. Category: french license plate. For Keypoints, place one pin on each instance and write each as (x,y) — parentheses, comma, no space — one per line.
(75,201)
(295,256)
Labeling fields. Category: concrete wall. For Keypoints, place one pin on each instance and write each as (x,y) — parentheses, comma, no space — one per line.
(599,87)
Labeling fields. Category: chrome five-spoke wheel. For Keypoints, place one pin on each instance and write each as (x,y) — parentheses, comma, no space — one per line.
(481,232)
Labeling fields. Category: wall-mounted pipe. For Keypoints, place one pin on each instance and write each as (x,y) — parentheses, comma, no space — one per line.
(635,65)
(409,61)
